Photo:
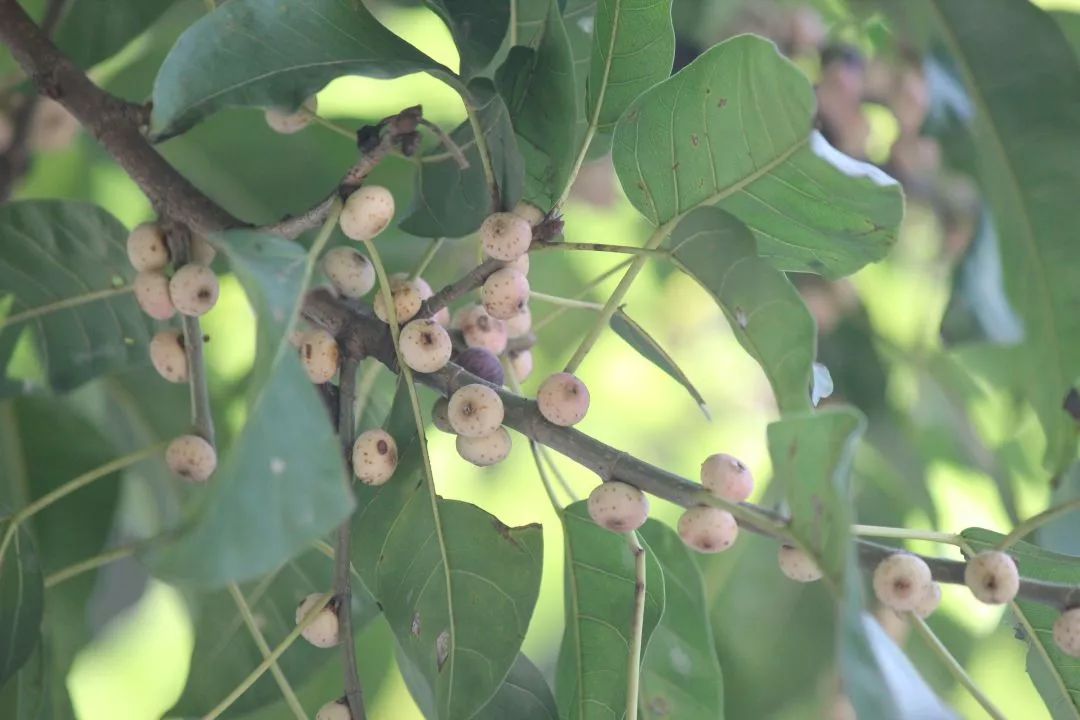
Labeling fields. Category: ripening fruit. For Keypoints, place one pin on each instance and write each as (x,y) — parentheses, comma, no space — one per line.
(288,122)
(992,577)
(505,293)
(191,457)
(482,363)
(322,632)
(334,710)
(440,415)
(727,477)
(147,248)
(319,355)
(479,329)
(901,581)
(797,565)
(475,410)
(505,236)
(408,296)
(563,399)
(425,345)
(521,362)
(929,602)
(351,274)
(708,529)
(194,290)
(367,212)
(374,457)
(521,264)
(485,450)
(152,293)
(168,356)
(618,507)
(529,212)
(1067,632)
(520,324)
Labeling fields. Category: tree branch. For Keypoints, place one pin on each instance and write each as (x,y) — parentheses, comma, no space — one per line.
(361,334)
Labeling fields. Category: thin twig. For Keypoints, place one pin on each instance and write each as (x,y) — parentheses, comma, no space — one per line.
(63,305)
(905,534)
(447,142)
(954,667)
(92,563)
(637,628)
(565,302)
(603,248)
(1035,522)
(425,260)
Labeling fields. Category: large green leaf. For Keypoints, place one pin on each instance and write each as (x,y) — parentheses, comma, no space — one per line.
(94,30)
(66,263)
(25,696)
(633,46)
(21,601)
(456,585)
(637,338)
(452,202)
(764,310)
(478,28)
(812,456)
(591,676)
(225,652)
(680,676)
(274,53)
(537,83)
(1056,675)
(282,484)
(524,695)
(733,128)
(1024,124)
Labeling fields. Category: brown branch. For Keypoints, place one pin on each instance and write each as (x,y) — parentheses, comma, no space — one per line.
(361,334)
(115,123)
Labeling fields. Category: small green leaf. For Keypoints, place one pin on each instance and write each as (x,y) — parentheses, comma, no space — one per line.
(765,312)
(21,601)
(267,53)
(537,83)
(680,676)
(812,456)
(95,30)
(478,28)
(636,336)
(282,484)
(733,129)
(456,585)
(591,676)
(65,264)
(524,695)
(451,202)
(1056,675)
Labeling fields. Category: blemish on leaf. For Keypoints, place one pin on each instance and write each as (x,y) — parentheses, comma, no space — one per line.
(741,318)
(277,465)
(694,139)
(1072,404)
(660,706)
(721,103)
(442,649)
(414,627)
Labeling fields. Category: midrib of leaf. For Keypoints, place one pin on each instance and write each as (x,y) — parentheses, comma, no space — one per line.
(1037,646)
(998,146)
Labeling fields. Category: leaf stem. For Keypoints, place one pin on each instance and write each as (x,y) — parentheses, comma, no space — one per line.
(633,678)
(604,248)
(553,316)
(905,534)
(333,126)
(63,305)
(202,417)
(954,667)
(1036,521)
(269,660)
(485,156)
(565,302)
(93,563)
(428,256)
(264,649)
(579,160)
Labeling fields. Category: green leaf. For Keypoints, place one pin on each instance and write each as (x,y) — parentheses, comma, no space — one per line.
(268,53)
(1024,124)
(579,18)
(633,47)
(95,30)
(24,696)
(537,83)
(21,601)
(680,676)
(765,312)
(530,17)
(451,202)
(591,676)
(812,456)
(478,28)
(1056,675)
(524,695)
(65,264)
(225,653)
(456,585)
(636,336)
(282,485)
(733,129)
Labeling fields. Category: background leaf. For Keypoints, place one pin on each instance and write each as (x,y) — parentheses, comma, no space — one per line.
(451,202)
(274,53)
(21,598)
(524,695)
(590,679)
(282,484)
(636,336)
(456,585)
(762,307)
(810,207)
(680,675)
(94,30)
(478,28)
(61,252)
